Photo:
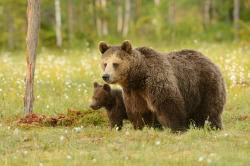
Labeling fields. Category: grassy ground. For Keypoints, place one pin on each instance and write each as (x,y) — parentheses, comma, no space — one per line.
(64,79)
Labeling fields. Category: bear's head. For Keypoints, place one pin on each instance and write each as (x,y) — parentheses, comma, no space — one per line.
(100,95)
(116,61)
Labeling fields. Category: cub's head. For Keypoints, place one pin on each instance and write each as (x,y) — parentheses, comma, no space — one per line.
(116,61)
(100,95)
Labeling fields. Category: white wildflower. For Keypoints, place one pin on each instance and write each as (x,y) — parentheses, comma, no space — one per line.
(209,161)
(62,138)
(69,157)
(157,143)
(200,158)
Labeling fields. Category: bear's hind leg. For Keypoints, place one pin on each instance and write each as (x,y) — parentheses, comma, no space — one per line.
(209,113)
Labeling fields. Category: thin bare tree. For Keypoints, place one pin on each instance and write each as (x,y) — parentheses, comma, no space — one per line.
(157,2)
(138,8)
(236,18)
(104,20)
(33,16)
(127,17)
(58,23)
(71,21)
(98,19)
(119,16)
(10,29)
(171,20)
(207,12)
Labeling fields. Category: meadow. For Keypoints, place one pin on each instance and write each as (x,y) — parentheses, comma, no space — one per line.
(64,78)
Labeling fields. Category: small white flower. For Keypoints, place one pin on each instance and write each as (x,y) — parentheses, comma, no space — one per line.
(226,135)
(38,97)
(41,164)
(47,106)
(127,133)
(16,131)
(206,122)
(1,90)
(77,129)
(62,138)
(245,142)
(67,97)
(0,125)
(15,157)
(25,152)
(8,127)
(157,143)
(200,158)
(117,128)
(126,157)
(209,161)
(94,159)
(66,131)
(212,154)
(69,157)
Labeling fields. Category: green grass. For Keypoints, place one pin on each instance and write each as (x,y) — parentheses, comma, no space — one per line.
(64,79)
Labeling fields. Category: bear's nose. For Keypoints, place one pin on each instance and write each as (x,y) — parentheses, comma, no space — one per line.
(105,77)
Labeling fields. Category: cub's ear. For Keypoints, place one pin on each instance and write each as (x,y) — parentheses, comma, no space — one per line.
(106,87)
(95,84)
(103,47)
(126,46)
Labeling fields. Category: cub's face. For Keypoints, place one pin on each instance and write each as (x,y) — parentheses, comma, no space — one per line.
(115,62)
(100,95)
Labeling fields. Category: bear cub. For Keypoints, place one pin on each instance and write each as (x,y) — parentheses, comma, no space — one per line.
(112,101)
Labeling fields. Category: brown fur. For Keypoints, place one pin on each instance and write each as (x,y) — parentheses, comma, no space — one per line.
(178,87)
(112,101)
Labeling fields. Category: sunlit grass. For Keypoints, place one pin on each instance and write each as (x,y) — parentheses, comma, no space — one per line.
(64,79)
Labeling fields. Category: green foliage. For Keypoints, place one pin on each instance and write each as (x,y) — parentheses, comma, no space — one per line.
(151,24)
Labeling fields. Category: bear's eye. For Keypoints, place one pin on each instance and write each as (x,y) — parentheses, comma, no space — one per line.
(115,65)
(97,99)
(105,65)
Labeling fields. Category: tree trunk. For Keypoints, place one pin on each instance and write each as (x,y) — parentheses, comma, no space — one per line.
(104,20)
(98,20)
(138,8)
(10,30)
(236,19)
(119,16)
(71,21)
(58,23)
(157,3)
(171,20)
(207,12)
(127,17)
(171,12)
(33,16)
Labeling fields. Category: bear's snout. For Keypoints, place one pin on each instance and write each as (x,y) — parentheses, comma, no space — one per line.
(93,107)
(105,77)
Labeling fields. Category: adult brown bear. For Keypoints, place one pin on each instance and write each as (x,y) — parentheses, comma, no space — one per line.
(178,87)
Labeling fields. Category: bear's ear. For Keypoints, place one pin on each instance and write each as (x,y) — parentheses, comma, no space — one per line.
(126,46)
(103,47)
(106,87)
(95,84)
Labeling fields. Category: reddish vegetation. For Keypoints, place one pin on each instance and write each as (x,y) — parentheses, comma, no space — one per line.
(242,117)
(43,119)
